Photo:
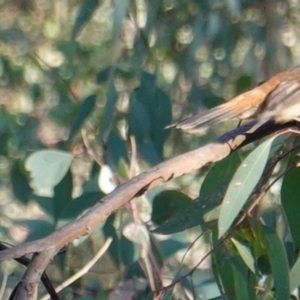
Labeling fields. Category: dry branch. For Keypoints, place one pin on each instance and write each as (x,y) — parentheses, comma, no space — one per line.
(46,248)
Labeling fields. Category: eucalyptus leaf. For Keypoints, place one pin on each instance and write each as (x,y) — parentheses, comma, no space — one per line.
(242,184)
(48,167)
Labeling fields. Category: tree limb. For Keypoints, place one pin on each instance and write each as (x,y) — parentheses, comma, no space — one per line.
(185,163)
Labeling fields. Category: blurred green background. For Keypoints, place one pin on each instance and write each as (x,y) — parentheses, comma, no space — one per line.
(82,77)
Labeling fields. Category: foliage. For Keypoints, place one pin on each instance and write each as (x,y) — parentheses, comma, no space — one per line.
(85,83)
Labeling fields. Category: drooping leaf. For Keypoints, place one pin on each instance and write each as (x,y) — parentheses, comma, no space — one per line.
(115,149)
(119,14)
(48,167)
(62,194)
(110,231)
(240,276)
(109,108)
(222,267)
(84,14)
(129,251)
(290,193)
(278,261)
(85,110)
(20,185)
(149,114)
(245,254)
(295,275)
(242,184)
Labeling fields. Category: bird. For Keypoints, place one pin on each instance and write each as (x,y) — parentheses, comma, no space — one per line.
(277,99)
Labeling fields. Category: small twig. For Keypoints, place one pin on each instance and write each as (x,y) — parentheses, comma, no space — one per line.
(84,270)
(195,267)
(46,248)
(89,150)
(39,60)
(132,157)
(3,283)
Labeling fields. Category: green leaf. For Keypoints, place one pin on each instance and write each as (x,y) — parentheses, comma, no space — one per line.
(206,207)
(242,184)
(194,214)
(167,204)
(243,83)
(85,109)
(48,167)
(149,114)
(37,228)
(278,261)
(110,231)
(245,254)
(109,109)
(84,14)
(290,194)
(220,173)
(115,150)
(45,203)
(240,278)
(78,205)
(62,194)
(120,12)
(222,267)
(103,75)
(129,252)
(20,185)
(295,275)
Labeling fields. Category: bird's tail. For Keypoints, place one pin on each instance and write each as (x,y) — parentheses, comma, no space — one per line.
(205,119)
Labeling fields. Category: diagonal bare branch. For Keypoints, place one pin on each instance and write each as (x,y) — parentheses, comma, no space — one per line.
(46,248)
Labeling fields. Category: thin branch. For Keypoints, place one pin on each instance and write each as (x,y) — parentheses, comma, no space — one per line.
(3,283)
(138,185)
(84,270)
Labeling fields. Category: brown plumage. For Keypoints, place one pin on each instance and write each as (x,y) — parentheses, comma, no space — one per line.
(277,98)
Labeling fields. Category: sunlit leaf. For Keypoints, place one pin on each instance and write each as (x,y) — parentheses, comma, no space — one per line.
(242,184)
(245,254)
(48,167)
(120,12)
(295,275)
